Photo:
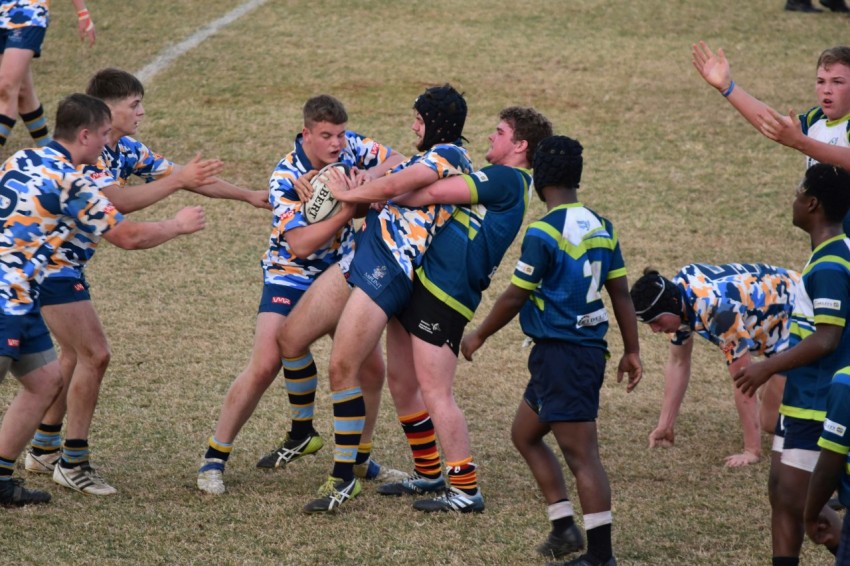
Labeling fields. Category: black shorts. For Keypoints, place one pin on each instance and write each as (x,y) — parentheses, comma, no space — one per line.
(432,320)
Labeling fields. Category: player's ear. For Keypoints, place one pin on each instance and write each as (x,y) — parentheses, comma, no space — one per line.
(521,146)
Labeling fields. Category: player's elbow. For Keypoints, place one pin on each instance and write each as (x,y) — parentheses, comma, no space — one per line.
(126,236)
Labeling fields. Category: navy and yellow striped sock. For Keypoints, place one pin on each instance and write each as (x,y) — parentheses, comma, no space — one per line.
(6,125)
(218,450)
(419,430)
(463,475)
(75,452)
(7,467)
(349,418)
(301,380)
(36,124)
(363,452)
(47,439)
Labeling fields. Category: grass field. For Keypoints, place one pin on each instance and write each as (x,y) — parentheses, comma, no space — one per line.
(681,175)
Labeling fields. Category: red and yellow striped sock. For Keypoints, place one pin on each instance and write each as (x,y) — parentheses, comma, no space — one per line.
(463,475)
(420,434)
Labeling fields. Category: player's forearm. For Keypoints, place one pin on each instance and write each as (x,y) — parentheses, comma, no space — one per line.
(305,240)
(224,190)
(676,379)
(624,312)
(506,308)
(131,199)
(748,414)
(813,347)
(387,164)
(747,105)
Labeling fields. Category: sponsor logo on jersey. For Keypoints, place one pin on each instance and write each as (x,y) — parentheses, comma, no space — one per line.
(831,304)
(835,428)
(592,319)
(98,174)
(481,176)
(281,301)
(109,208)
(13,342)
(524,268)
(287,215)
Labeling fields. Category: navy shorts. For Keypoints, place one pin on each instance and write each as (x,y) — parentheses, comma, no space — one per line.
(23,334)
(375,271)
(279,299)
(565,381)
(800,434)
(62,290)
(30,37)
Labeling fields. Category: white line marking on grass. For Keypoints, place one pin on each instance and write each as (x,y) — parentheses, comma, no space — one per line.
(167,56)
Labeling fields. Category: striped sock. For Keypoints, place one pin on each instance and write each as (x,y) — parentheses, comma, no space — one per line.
(47,439)
(218,450)
(598,529)
(36,123)
(6,468)
(75,452)
(363,452)
(301,380)
(6,125)
(463,475)
(420,434)
(349,417)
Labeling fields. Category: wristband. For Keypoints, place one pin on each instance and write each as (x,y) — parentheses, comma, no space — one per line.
(83,15)
(729,90)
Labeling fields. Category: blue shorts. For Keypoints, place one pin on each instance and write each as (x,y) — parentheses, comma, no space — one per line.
(23,334)
(799,434)
(63,290)
(374,270)
(565,381)
(30,37)
(279,299)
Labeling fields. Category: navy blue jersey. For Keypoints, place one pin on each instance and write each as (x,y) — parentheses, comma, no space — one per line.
(465,254)
(567,257)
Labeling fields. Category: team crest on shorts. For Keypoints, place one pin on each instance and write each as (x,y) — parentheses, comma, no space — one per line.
(375,277)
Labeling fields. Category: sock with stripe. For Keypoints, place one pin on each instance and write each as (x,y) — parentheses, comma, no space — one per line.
(349,418)
(36,124)
(75,452)
(216,456)
(363,453)
(47,439)
(7,467)
(300,377)
(561,515)
(419,430)
(598,529)
(6,125)
(463,475)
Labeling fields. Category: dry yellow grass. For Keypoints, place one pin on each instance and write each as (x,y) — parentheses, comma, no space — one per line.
(667,160)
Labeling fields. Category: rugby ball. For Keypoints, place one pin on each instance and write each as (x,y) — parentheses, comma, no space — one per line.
(322,204)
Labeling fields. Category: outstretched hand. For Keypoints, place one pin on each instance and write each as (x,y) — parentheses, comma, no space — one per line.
(713,68)
(630,364)
(190,219)
(199,172)
(259,199)
(783,129)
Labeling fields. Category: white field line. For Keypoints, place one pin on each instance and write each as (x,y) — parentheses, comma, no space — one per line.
(167,56)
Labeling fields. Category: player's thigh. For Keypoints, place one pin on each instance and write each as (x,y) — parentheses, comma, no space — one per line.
(76,326)
(15,67)
(357,332)
(526,429)
(316,313)
(435,367)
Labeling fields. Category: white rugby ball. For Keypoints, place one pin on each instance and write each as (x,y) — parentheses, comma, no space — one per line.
(322,204)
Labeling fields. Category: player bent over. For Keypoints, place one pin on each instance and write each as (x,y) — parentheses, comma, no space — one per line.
(744,309)
(47,198)
(566,258)
(298,253)
(820,350)
(64,295)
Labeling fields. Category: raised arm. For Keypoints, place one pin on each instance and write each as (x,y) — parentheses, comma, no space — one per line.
(214,187)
